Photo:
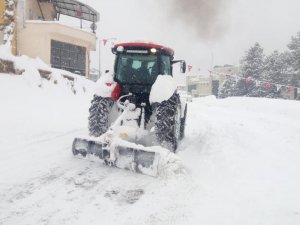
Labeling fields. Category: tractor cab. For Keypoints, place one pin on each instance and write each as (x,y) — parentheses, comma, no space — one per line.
(137,65)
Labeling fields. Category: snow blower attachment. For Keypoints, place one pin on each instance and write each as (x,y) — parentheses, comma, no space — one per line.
(134,159)
(135,109)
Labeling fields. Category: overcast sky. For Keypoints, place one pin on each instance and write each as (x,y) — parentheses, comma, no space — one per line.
(203,32)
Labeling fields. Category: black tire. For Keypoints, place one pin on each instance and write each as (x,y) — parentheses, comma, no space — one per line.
(182,124)
(167,125)
(99,114)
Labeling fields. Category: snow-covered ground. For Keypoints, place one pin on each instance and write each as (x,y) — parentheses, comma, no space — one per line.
(242,160)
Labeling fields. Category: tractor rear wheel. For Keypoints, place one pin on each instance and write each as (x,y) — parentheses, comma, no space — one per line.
(182,123)
(168,122)
(99,114)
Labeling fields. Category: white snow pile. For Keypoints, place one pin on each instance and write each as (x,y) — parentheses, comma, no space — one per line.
(162,89)
(105,85)
(241,159)
(30,69)
(32,106)
(165,163)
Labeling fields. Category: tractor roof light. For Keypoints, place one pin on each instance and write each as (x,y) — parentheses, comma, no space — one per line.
(153,50)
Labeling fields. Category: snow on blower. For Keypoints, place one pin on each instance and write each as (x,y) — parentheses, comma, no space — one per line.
(137,116)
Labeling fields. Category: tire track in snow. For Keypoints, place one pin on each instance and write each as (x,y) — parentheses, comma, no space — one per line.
(57,135)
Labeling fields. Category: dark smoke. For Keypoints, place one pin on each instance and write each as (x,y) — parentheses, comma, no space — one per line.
(207,18)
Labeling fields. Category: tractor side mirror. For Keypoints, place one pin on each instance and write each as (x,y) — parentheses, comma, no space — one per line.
(182,66)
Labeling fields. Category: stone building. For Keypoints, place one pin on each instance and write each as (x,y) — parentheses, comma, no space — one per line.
(38,32)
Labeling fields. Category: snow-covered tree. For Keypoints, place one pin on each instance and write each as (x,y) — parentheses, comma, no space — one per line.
(277,68)
(241,87)
(252,64)
(252,69)
(257,90)
(272,67)
(261,75)
(294,48)
(235,86)
(9,23)
(294,62)
(227,89)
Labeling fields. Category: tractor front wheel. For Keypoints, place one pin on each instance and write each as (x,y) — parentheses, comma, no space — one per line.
(99,114)
(168,122)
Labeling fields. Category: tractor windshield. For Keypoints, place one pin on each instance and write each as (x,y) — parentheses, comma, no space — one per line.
(137,69)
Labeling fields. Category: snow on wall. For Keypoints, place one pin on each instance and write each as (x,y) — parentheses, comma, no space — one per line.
(30,68)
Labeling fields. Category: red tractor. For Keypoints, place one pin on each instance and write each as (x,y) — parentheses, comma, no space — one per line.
(135,108)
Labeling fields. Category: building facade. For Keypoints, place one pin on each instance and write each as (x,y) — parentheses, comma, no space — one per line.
(199,85)
(39,33)
(203,85)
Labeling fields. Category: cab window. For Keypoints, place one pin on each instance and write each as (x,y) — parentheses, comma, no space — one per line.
(165,65)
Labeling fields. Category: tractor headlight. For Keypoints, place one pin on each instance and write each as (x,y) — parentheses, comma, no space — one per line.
(153,50)
(120,49)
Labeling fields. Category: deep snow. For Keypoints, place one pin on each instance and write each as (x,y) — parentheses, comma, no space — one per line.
(241,156)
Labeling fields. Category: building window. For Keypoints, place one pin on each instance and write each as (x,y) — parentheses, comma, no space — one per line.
(192,87)
(68,57)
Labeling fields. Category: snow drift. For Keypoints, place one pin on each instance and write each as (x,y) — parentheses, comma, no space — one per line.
(241,157)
